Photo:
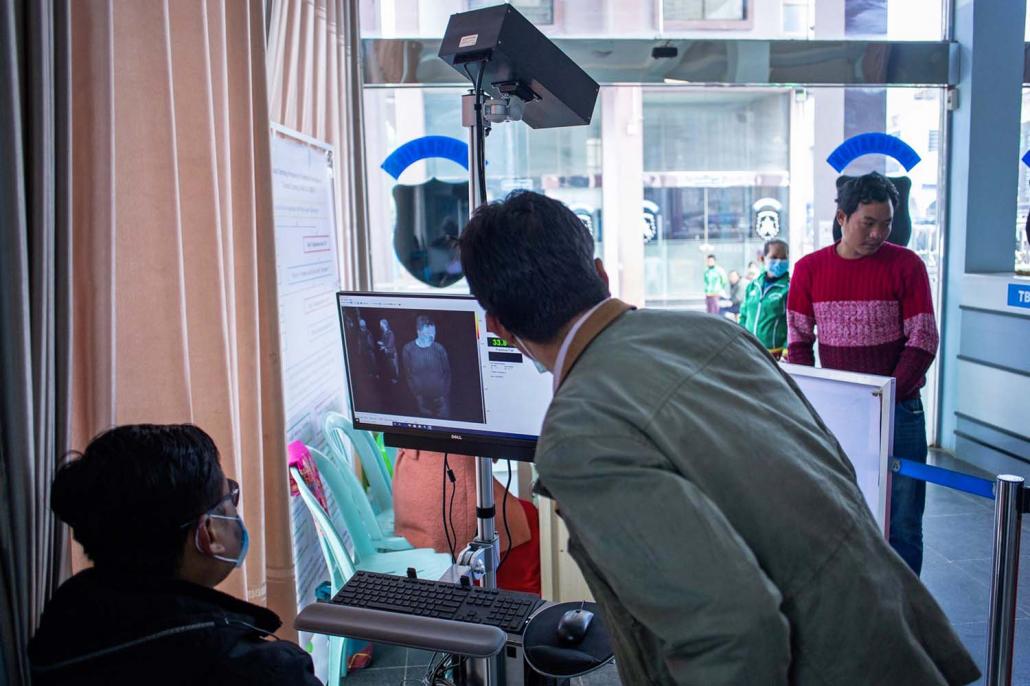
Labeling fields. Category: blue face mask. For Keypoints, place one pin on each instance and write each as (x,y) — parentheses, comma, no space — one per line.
(426,337)
(777,268)
(244,540)
(539,367)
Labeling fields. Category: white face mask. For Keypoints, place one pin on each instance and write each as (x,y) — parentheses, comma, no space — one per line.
(539,367)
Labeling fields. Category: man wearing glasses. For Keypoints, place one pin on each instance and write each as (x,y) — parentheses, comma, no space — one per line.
(156,515)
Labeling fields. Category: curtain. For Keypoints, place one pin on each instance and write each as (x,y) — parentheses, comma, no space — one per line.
(175,288)
(34,316)
(315,88)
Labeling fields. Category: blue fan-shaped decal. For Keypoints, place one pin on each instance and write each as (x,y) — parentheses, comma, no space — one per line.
(1026,158)
(424,148)
(873,144)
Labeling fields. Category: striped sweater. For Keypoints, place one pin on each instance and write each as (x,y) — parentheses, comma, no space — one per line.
(872,315)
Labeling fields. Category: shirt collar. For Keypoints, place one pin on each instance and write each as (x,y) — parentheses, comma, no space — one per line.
(563,351)
(587,327)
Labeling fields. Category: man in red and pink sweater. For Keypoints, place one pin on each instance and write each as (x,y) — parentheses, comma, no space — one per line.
(868,303)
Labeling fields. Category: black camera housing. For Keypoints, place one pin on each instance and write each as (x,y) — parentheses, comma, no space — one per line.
(519,61)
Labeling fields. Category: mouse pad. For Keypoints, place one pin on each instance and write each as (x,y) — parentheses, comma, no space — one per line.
(550,656)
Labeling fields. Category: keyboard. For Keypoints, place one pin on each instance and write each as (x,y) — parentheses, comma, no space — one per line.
(506,610)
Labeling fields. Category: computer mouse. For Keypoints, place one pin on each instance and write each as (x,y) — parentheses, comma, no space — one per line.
(573,626)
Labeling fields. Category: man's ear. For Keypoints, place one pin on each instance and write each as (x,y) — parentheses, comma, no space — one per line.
(493,325)
(841,218)
(599,266)
(208,539)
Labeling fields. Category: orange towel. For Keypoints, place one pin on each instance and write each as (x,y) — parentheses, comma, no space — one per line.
(417,491)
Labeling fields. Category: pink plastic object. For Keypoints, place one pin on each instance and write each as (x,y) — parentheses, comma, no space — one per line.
(300,457)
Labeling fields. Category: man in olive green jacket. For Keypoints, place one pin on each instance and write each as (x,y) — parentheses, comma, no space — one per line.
(715,558)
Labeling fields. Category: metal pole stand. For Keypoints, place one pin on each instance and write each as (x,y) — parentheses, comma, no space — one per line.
(481,557)
(1001,625)
(483,553)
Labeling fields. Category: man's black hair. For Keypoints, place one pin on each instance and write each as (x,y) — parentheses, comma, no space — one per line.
(710,257)
(128,495)
(423,321)
(776,241)
(529,260)
(871,187)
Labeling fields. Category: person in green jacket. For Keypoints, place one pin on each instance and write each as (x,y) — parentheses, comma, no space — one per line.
(716,282)
(764,311)
(714,558)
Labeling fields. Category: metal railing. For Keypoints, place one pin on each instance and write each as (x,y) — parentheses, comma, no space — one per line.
(1010,502)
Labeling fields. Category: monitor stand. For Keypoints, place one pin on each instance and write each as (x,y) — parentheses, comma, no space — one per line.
(479,560)
(485,547)
(482,555)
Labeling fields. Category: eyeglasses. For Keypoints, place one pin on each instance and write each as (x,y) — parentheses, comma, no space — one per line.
(233,495)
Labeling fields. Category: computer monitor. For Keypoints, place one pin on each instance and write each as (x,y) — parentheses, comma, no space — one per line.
(424,370)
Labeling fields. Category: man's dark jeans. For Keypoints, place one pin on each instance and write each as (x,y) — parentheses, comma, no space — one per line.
(908,496)
(438,407)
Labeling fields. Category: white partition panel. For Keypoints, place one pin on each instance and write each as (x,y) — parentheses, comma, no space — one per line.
(859,410)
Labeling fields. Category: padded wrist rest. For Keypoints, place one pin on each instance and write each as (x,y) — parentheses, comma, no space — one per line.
(410,631)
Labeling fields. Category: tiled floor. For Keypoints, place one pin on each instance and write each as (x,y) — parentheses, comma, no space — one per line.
(957,566)
(958,540)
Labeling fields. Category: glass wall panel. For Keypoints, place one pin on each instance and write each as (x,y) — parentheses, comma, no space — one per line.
(914,116)
(1022,264)
(713,160)
(891,19)
(714,169)
(715,130)
(711,156)
(563,163)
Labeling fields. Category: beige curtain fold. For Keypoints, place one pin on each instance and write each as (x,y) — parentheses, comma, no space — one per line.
(314,81)
(175,289)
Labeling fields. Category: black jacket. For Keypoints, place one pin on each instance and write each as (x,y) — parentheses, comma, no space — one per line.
(108,629)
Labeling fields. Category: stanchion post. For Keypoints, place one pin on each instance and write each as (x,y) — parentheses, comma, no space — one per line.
(1001,625)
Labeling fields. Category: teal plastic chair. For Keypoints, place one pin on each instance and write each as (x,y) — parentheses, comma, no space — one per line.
(427,562)
(341,435)
(374,461)
(341,563)
(352,501)
(340,567)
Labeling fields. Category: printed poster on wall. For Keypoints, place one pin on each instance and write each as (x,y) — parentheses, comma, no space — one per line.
(308,271)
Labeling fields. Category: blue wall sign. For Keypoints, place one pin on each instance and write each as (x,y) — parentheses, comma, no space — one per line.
(1019,295)
(425,148)
(873,144)
(429,214)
